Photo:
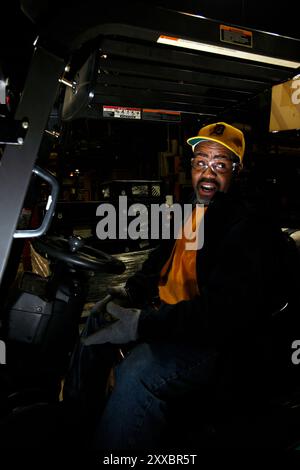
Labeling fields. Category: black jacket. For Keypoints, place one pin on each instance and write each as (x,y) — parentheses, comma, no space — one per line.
(244,273)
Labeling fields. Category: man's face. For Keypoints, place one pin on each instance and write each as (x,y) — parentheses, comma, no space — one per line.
(216,177)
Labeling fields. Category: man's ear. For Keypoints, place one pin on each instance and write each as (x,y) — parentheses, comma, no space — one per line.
(237,168)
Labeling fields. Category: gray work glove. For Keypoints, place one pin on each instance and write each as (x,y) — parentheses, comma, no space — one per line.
(121,327)
(120,295)
(100,306)
(96,317)
(119,292)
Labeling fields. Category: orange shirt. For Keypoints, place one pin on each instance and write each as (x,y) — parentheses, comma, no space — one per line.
(178,277)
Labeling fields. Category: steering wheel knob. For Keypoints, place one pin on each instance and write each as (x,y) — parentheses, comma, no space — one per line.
(75,243)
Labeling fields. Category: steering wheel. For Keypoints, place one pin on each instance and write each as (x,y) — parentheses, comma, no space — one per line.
(76,254)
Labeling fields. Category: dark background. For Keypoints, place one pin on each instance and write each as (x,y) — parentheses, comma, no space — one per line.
(17,32)
(104,150)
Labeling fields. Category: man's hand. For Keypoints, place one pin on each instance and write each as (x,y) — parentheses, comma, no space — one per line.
(119,292)
(100,306)
(120,295)
(120,330)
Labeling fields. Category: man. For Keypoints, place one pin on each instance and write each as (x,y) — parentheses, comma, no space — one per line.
(208,330)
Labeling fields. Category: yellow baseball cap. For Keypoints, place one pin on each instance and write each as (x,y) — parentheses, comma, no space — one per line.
(224,134)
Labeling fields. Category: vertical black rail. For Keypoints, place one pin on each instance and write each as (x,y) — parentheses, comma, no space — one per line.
(18,161)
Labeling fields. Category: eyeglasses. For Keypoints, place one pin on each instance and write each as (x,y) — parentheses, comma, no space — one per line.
(218,165)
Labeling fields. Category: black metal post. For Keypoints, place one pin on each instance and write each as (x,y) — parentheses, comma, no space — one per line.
(17,161)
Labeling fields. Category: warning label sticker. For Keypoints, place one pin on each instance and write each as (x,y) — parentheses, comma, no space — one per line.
(122,112)
(236,36)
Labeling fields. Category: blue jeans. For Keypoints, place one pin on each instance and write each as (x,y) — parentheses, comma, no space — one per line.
(152,375)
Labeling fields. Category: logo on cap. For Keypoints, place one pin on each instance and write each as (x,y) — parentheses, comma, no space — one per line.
(218,129)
